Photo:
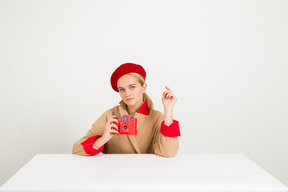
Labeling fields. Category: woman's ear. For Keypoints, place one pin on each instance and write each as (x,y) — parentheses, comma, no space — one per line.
(144,87)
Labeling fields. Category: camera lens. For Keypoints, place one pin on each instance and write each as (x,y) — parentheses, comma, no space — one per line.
(125,127)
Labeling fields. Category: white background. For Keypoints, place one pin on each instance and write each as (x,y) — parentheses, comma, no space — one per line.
(225,60)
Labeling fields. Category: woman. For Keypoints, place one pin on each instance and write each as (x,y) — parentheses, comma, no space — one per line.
(156,132)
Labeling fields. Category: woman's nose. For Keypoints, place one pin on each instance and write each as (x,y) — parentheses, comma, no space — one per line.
(128,93)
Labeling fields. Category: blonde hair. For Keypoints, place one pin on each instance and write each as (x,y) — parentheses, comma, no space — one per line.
(141,80)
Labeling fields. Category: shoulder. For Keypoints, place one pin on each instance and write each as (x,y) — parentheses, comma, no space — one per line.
(155,114)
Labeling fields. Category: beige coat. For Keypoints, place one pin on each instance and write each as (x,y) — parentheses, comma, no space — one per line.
(148,139)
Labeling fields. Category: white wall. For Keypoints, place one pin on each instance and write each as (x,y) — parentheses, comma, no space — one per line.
(225,60)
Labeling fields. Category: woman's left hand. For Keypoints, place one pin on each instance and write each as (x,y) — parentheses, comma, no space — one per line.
(168,99)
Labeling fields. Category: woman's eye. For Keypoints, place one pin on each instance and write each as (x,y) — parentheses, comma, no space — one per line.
(121,90)
(132,87)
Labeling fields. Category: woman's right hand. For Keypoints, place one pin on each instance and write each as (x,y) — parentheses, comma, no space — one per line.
(110,128)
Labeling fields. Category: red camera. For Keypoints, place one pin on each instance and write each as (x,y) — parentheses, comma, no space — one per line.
(126,126)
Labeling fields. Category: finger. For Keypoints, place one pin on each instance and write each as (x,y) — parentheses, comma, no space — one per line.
(114,128)
(166,92)
(164,95)
(113,121)
(169,95)
(168,88)
(114,131)
(113,117)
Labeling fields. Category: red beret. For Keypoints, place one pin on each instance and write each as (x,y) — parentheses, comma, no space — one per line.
(124,69)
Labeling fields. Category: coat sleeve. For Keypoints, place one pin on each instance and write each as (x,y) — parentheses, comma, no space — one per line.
(84,146)
(165,139)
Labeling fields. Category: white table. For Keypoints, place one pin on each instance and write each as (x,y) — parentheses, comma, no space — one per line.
(145,172)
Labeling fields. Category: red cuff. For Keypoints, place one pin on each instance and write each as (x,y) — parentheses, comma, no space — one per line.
(172,130)
(88,145)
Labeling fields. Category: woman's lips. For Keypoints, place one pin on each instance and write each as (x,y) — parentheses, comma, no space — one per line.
(129,99)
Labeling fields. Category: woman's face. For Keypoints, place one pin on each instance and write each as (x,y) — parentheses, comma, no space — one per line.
(131,90)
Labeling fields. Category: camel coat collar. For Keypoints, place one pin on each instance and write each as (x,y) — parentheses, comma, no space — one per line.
(142,111)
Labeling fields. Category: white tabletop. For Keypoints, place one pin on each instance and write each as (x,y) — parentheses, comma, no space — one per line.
(142,172)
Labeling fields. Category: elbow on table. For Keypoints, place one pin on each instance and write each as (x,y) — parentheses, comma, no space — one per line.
(167,154)
(78,150)
(170,150)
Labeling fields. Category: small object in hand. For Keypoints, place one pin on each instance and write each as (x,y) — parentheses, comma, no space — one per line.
(126,126)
